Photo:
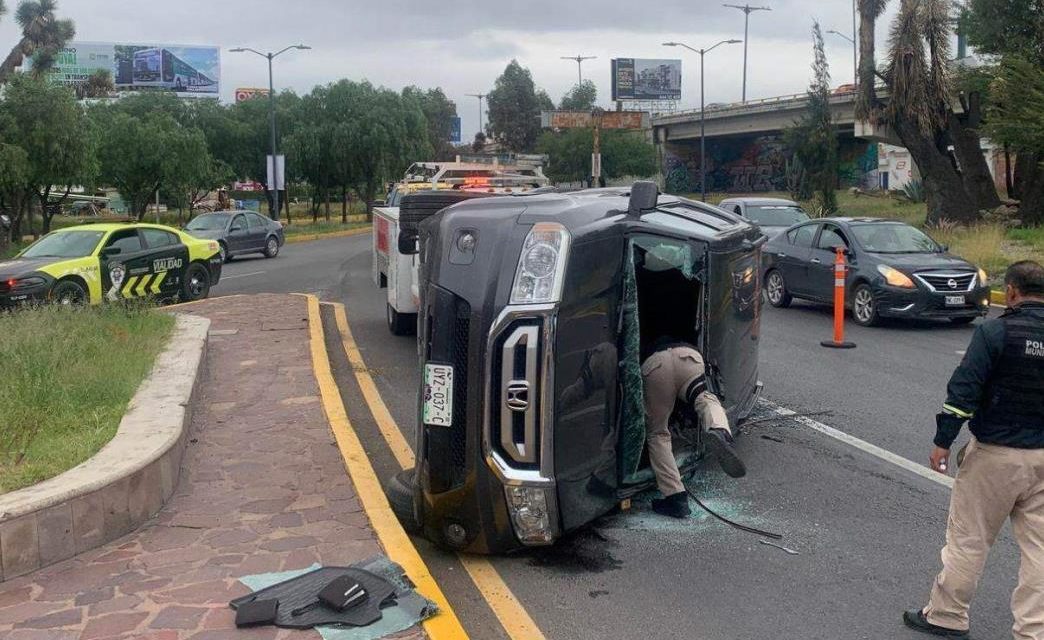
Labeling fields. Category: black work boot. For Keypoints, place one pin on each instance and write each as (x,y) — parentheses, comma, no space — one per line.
(675,505)
(915,619)
(719,445)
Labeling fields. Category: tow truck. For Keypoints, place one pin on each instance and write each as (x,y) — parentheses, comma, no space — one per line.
(427,188)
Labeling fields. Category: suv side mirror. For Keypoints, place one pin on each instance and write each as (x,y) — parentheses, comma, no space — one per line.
(644,195)
(111,251)
(408,243)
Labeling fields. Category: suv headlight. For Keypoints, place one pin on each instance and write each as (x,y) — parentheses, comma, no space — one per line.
(541,266)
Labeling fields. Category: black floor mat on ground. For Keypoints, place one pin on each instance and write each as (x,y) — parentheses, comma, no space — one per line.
(302,591)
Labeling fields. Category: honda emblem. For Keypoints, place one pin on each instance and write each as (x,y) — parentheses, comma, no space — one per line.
(516,395)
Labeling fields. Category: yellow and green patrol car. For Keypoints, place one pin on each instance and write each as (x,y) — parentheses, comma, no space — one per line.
(96,262)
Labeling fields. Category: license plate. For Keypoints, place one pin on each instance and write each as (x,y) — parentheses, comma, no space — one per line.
(954,301)
(438,395)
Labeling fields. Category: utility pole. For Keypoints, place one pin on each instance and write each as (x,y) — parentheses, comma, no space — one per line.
(747,10)
(703,137)
(855,50)
(272,116)
(480,97)
(579,60)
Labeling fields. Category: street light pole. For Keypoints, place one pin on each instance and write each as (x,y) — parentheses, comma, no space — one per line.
(579,59)
(272,116)
(747,10)
(855,50)
(480,96)
(703,137)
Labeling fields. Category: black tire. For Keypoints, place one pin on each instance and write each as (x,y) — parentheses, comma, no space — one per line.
(68,293)
(401,324)
(226,257)
(271,247)
(418,207)
(195,285)
(963,321)
(400,497)
(864,306)
(776,291)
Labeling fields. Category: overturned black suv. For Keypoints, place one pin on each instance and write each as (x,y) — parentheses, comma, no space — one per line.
(534,310)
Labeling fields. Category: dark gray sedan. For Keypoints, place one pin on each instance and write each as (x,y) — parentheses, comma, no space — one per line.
(894,270)
(239,232)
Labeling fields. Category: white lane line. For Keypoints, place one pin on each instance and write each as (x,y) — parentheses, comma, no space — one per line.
(243,275)
(862,445)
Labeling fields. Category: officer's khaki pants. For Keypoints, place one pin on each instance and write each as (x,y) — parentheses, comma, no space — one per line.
(667,375)
(992,484)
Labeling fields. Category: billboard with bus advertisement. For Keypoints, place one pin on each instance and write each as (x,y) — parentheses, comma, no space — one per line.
(646,79)
(187,70)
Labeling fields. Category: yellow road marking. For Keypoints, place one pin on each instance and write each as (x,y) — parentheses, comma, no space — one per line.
(512,615)
(399,447)
(443,626)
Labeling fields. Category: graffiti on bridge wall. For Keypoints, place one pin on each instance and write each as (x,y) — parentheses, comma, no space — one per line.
(758,165)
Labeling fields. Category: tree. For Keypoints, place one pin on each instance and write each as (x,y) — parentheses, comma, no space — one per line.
(957,183)
(142,154)
(43,36)
(514,108)
(97,85)
(581,97)
(45,120)
(1012,31)
(439,111)
(624,153)
(1017,121)
(814,139)
(14,173)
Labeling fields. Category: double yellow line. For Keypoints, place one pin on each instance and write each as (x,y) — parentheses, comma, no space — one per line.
(517,623)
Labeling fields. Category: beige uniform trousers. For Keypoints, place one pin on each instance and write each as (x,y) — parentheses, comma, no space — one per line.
(667,375)
(993,484)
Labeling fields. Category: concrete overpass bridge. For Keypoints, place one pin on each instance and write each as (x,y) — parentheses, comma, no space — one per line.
(745,148)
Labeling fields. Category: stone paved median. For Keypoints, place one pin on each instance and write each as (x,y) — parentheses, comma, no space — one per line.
(263,488)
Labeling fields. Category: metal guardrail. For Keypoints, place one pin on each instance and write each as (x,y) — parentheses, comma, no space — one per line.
(755,105)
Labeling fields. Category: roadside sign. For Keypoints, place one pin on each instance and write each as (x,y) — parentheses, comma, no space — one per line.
(455,135)
(646,79)
(277,175)
(586,120)
(248,93)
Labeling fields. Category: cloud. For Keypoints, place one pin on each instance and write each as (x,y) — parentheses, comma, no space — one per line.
(463,45)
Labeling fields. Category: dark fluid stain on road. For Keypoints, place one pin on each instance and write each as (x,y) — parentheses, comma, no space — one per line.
(583,551)
(597,592)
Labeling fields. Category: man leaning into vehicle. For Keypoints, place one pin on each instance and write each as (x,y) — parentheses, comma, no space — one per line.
(999,389)
(675,372)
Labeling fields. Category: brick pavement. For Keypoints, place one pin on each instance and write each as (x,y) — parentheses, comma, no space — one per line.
(263,488)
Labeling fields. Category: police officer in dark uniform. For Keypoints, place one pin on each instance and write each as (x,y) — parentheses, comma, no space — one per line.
(999,389)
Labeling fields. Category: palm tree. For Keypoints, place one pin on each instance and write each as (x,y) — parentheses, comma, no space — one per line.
(919,107)
(98,85)
(43,35)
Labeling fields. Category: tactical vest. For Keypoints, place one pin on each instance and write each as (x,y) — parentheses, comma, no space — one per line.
(1013,415)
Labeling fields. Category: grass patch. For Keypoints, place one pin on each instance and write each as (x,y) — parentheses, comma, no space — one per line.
(69,374)
(320,227)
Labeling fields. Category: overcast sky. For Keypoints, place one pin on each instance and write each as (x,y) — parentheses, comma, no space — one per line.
(463,46)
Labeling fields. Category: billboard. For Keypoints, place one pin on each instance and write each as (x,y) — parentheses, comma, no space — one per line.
(187,70)
(455,135)
(646,79)
(249,93)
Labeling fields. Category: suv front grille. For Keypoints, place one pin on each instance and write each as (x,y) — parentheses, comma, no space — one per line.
(944,282)
(448,342)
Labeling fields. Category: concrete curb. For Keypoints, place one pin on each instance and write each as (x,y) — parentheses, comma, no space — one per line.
(125,483)
(333,234)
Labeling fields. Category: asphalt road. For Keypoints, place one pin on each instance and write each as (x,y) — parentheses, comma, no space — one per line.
(868,532)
